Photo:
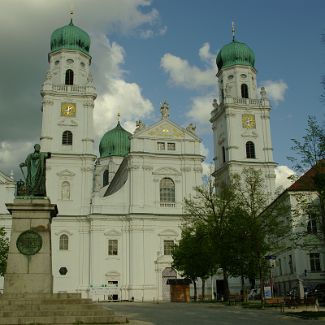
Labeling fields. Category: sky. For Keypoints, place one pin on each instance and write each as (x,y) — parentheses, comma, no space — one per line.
(147,51)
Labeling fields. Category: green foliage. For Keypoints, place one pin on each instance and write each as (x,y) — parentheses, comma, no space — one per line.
(189,255)
(4,248)
(239,231)
(311,149)
(260,223)
(192,255)
(311,154)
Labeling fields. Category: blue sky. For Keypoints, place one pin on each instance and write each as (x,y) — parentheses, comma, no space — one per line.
(147,51)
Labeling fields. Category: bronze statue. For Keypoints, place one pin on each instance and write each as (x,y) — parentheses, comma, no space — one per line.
(35,179)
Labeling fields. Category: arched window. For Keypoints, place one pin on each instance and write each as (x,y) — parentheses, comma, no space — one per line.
(250,149)
(69,77)
(244,91)
(167,191)
(65,190)
(67,137)
(64,243)
(106,177)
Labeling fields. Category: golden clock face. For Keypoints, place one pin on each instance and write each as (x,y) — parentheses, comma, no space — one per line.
(68,109)
(248,121)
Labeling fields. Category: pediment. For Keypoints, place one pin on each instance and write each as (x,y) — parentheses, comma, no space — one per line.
(163,129)
(63,232)
(169,233)
(112,232)
(65,172)
(4,179)
(167,171)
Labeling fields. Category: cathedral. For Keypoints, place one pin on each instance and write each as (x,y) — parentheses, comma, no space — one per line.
(120,212)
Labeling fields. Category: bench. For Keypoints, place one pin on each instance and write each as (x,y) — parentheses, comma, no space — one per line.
(274,301)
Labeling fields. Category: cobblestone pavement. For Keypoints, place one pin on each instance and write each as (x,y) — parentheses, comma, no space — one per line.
(200,313)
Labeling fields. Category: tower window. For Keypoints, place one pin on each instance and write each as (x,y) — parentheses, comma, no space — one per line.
(244,91)
(106,177)
(69,77)
(64,243)
(223,154)
(250,149)
(167,191)
(67,137)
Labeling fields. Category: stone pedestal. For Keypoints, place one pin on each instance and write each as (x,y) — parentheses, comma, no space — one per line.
(29,265)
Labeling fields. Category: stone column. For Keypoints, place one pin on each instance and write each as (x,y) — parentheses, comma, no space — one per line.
(29,265)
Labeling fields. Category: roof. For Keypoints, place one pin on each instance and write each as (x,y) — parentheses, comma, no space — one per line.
(70,37)
(119,179)
(235,53)
(307,181)
(115,142)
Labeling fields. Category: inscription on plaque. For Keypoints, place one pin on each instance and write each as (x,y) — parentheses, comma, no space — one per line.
(29,242)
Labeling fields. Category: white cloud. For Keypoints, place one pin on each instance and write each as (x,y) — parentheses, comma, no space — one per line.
(123,98)
(282,173)
(204,150)
(207,170)
(201,108)
(275,90)
(12,153)
(205,54)
(181,73)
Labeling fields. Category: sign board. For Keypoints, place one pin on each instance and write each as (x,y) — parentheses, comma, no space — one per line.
(267,292)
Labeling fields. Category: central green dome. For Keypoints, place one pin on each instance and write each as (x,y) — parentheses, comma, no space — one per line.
(115,142)
(235,53)
(70,37)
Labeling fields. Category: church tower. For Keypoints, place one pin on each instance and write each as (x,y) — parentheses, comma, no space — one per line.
(67,120)
(241,119)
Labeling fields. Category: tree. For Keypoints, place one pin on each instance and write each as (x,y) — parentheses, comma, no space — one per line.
(262,223)
(192,255)
(310,152)
(211,210)
(311,149)
(4,248)
(240,231)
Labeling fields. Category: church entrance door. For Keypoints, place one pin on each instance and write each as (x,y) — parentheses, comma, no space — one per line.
(167,273)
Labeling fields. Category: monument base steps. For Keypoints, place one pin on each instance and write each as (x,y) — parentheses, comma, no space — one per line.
(61,308)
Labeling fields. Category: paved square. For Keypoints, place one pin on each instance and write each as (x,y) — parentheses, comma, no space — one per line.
(199,313)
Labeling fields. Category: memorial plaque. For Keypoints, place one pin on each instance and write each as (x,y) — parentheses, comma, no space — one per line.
(29,242)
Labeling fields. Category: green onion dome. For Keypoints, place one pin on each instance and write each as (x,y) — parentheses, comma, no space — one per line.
(235,53)
(115,142)
(70,37)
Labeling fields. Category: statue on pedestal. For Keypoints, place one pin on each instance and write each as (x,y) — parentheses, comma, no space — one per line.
(35,179)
